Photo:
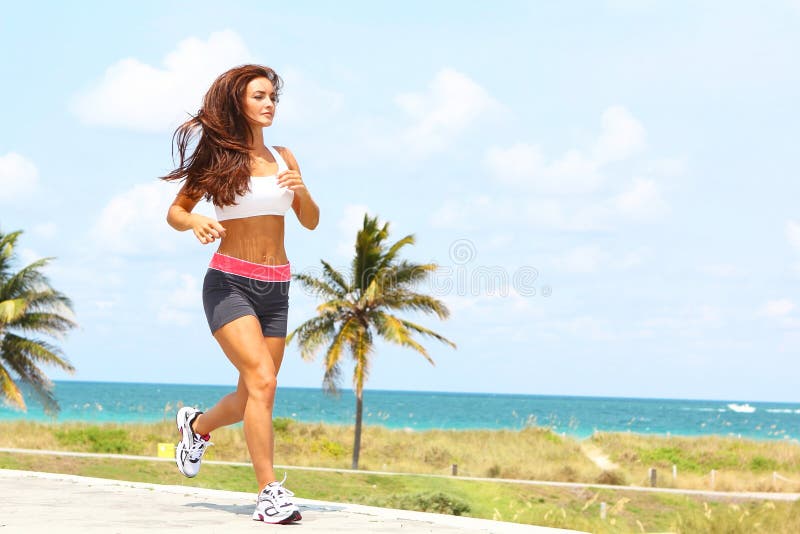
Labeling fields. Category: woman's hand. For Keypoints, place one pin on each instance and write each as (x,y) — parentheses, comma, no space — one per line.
(206,230)
(291,179)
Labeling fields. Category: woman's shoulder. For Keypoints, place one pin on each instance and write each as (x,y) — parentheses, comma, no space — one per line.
(287,155)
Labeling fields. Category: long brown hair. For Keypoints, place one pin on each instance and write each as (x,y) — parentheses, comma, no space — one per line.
(219,167)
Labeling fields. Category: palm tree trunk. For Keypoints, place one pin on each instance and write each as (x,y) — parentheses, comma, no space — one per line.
(357,439)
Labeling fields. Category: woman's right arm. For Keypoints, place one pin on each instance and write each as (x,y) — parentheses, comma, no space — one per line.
(180,217)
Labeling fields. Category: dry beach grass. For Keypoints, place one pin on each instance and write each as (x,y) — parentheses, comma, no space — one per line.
(533,453)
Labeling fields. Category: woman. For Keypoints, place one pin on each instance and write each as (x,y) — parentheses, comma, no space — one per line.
(246,288)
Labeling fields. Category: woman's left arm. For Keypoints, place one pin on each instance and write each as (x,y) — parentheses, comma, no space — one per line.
(303,205)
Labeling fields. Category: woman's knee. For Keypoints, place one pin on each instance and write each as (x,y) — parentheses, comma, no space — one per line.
(261,384)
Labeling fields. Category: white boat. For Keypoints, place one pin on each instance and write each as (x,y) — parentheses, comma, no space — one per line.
(741,408)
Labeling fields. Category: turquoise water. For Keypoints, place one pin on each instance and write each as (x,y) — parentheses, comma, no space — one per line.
(576,416)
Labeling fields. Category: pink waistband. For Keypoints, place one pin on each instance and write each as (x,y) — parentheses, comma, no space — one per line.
(256,271)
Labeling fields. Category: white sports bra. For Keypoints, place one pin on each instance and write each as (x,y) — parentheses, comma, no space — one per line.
(264,197)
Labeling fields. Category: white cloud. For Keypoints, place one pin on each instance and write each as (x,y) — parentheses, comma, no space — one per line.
(643,201)
(571,192)
(622,136)
(777,308)
(524,165)
(349,224)
(631,5)
(474,212)
(306,102)
(46,230)
(793,234)
(582,326)
(28,256)
(19,177)
(179,295)
(452,103)
(630,259)
(667,167)
(720,270)
(584,259)
(134,221)
(575,171)
(490,306)
(691,321)
(500,241)
(448,215)
(138,96)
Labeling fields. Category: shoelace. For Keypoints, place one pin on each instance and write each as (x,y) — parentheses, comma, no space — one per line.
(195,452)
(277,493)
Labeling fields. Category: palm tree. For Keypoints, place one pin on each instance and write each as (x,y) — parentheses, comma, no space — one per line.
(28,305)
(355,310)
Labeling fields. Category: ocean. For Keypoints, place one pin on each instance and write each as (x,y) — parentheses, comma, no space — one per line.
(100,402)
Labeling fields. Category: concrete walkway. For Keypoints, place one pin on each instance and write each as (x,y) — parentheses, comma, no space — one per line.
(33,502)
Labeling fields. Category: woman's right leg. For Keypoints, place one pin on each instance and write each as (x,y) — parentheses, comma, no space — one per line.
(229,410)
(244,345)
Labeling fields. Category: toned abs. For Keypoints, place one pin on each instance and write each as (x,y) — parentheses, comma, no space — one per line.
(255,239)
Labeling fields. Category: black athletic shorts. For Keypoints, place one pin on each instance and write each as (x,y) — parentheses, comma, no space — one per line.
(229,296)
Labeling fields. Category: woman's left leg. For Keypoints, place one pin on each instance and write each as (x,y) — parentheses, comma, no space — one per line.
(230,408)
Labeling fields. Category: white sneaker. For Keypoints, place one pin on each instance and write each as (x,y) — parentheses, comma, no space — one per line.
(191,447)
(275,506)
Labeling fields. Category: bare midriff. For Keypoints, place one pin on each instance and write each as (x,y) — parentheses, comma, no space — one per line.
(255,239)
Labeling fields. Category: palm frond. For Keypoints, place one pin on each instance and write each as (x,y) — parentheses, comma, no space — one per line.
(318,287)
(339,307)
(406,273)
(21,363)
(361,348)
(335,277)
(12,310)
(10,390)
(369,251)
(33,351)
(333,356)
(394,331)
(389,255)
(52,324)
(29,278)
(7,244)
(331,379)
(312,334)
(427,332)
(408,300)
(29,304)
(48,299)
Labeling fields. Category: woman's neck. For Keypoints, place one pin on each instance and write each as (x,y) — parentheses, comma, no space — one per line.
(258,139)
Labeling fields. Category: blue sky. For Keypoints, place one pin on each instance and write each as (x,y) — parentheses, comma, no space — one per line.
(610,188)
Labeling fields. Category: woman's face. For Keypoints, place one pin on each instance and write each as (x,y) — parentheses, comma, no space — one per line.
(259,102)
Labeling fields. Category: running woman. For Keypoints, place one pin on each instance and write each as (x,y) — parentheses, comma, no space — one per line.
(246,287)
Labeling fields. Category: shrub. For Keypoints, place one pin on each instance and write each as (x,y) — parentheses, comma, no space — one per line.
(281,424)
(760,463)
(436,456)
(331,448)
(95,439)
(567,474)
(615,478)
(439,503)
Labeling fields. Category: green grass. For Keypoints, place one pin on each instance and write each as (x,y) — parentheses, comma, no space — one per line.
(548,506)
(480,453)
(741,464)
(532,453)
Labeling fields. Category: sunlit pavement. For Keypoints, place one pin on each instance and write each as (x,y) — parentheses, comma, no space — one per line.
(44,502)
